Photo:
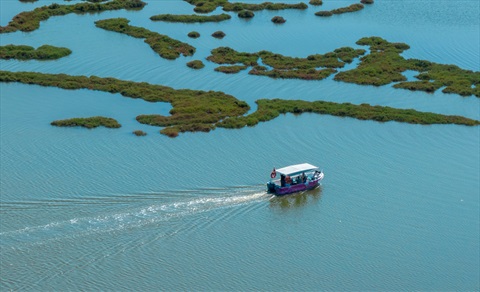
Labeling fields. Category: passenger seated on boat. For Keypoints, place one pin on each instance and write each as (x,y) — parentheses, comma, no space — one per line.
(282,180)
(299,180)
(288,180)
(304,177)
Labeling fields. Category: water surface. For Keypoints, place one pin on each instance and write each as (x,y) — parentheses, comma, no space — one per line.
(103,209)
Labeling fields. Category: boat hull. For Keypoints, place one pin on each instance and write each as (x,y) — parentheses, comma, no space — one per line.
(290,189)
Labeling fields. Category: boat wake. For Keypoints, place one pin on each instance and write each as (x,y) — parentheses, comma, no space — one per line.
(173,210)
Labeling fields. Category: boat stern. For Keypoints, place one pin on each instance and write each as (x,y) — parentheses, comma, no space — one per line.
(271,186)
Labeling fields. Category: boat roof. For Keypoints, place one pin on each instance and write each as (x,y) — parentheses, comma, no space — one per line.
(295,169)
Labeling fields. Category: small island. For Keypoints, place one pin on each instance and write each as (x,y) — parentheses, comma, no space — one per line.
(202,6)
(165,46)
(139,133)
(230,69)
(315,2)
(22,52)
(278,19)
(30,20)
(89,123)
(194,34)
(196,64)
(269,109)
(201,111)
(284,66)
(246,14)
(351,8)
(219,34)
(190,18)
(384,65)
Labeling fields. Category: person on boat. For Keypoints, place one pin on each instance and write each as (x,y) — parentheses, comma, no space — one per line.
(304,177)
(288,179)
(282,180)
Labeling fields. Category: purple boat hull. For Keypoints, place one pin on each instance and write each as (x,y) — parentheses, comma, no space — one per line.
(289,189)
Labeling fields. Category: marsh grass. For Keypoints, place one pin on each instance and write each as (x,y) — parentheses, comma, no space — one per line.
(385,65)
(313,67)
(196,64)
(270,109)
(316,2)
(89,123)
(207,6)
(192,110)
(351,8)
(230,69)
(219,34)
(165,46)
(323,13)
(30,20)
(190,18)
(22,52)
(200,111)
(246,14)
(278,19)
(194,34)
(139,133)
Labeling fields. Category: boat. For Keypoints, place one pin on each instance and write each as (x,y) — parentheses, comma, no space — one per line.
(294,178)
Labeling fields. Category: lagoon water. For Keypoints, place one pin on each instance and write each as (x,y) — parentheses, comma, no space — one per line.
(105,210)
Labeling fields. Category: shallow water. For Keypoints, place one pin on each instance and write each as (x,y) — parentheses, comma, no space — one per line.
(103,209)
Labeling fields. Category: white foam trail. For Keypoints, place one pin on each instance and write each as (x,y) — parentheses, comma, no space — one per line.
(152,214)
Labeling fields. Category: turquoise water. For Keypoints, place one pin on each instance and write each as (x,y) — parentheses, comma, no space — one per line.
(104,209)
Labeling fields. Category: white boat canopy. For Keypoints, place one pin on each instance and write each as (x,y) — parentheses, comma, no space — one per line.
(296,169)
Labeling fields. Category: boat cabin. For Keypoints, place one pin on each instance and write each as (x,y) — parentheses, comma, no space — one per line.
(294,178)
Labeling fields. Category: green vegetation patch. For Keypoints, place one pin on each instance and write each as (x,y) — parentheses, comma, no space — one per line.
(270,109)
(195,110)
(219,34)
(262,6)
(385,65)
(194,34)
(351,8)
(22,52)
(90,123)
(139,133)
(192,110)
(315,2)
(196,64)
(314,67)
(323,13)
(246,14)
(207,6)
(230,69)
(278,19)
(30,20)
(190,18)
(165,46)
